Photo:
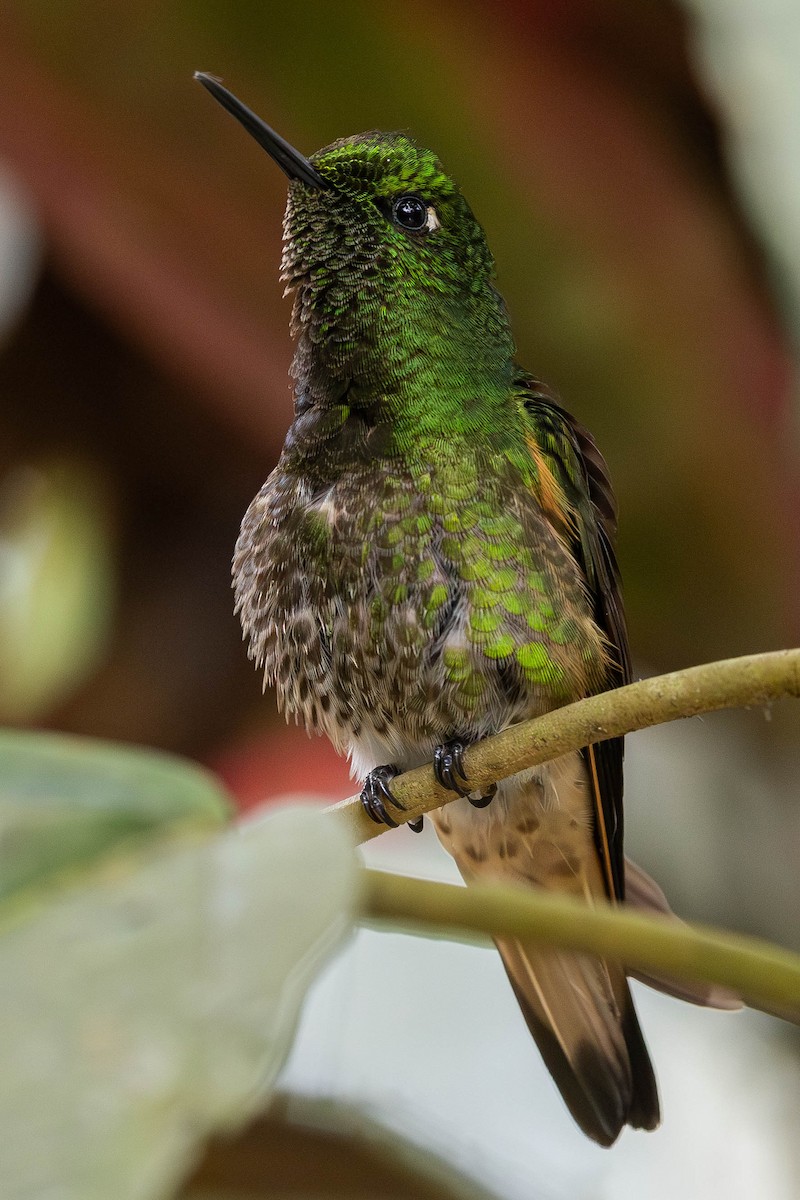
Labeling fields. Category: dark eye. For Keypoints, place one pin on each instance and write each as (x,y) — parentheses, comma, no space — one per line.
(410,212)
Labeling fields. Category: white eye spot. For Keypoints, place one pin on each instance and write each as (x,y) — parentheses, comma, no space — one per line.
(433,221)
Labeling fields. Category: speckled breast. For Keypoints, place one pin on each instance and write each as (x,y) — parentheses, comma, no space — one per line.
(415,604)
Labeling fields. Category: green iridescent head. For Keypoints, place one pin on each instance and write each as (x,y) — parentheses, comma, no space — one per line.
(390,270)
(388,211)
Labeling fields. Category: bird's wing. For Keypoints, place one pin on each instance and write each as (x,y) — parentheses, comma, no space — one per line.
(573,471)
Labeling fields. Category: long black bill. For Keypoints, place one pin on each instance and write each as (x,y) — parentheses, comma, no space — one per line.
(288,159)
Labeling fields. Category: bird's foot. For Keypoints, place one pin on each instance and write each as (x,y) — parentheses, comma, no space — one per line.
(484,800)
(376,794)
(448,767)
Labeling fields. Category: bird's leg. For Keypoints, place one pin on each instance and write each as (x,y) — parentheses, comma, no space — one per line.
(484,800)
(448,767)
(376,794)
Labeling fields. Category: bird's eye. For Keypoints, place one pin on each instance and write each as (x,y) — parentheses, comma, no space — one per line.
(410,212)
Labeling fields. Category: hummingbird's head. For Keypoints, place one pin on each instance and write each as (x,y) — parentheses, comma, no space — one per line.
(389,267)
(388,214)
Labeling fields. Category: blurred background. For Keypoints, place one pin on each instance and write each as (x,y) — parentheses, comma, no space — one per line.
(636,169)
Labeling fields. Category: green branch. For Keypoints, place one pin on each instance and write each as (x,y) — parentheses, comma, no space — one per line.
(764,976)
(733,683)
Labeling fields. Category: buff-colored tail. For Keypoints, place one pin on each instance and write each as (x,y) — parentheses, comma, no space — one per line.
(580,1012)
(538,831)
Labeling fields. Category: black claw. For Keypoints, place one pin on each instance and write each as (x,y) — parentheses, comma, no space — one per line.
(376,810)
(448,767)
(376,794)
(416,824)
(483,801)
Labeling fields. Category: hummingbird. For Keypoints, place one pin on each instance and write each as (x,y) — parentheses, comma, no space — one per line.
(433,560)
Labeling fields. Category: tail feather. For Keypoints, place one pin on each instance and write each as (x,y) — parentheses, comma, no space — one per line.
(539,832)
(580,1013)
(642,892)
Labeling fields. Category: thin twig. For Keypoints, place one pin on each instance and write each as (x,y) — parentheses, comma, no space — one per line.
(731,683)
(764,976)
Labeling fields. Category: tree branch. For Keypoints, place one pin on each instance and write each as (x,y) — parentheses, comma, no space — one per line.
(764,976)
(733,683)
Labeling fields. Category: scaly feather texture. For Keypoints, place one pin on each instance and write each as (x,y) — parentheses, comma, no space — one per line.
(432,559)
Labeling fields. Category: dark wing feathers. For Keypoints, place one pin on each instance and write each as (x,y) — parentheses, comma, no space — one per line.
(582,472)
(602,1088)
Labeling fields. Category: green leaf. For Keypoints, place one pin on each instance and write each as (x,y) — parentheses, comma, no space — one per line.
(65,801)
(156,1002)
(56,583)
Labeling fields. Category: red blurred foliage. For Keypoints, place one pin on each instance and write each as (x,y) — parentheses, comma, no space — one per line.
(260,771)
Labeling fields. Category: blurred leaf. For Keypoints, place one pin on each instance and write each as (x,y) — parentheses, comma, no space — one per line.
(55,583)
(735,45)
(155,1002)
(307,1147)
(64,801)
